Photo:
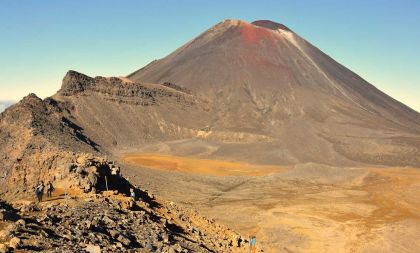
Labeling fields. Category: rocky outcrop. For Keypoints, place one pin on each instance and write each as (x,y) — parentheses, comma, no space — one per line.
(99,223)
(122,91)
(177,87)
(271,25)
(37,137)
(75,82)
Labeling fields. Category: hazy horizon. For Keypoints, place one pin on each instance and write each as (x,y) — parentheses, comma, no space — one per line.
(45,40)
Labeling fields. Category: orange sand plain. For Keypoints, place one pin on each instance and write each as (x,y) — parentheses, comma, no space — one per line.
(200,166)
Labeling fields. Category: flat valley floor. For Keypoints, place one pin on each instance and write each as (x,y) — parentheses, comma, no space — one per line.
(304,208)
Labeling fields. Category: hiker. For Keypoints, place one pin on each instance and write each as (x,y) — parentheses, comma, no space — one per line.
(132,194)
(39,191)
(238,241)
(252,244)
(50,189)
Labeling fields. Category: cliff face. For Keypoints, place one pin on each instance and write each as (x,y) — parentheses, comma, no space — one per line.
(122,90)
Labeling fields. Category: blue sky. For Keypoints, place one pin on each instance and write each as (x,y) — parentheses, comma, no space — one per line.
(41,40)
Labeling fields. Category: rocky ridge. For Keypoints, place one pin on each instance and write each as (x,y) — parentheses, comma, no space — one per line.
(107,222)
(123,91)
(90,211)
(38,141)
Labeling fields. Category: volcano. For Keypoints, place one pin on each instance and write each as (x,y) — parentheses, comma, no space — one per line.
(262,79)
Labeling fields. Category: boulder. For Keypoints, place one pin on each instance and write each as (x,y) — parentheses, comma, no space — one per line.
(5,234)
(15,243)
(93,248)
(149,246)
(171,250)
(87,187)
(3,214)
(21,223)
(165,237)
(92,169)
(93,178)
(3,248)
(114,233)
(124,240)
(119,245)
(81,160)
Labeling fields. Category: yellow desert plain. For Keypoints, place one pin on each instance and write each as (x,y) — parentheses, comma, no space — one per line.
(305,208)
